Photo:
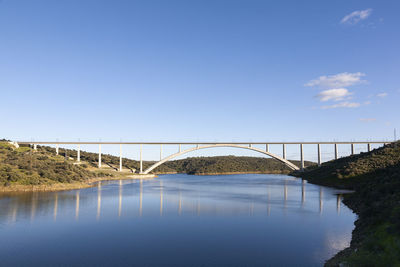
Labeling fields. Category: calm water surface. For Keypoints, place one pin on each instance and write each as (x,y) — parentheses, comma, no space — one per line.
(177,220)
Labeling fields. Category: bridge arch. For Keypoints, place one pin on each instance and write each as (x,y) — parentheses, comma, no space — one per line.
(284,161)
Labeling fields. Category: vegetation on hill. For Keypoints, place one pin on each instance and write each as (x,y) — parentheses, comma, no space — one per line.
(375,179)
(194,165)
(27,167)
(228,164)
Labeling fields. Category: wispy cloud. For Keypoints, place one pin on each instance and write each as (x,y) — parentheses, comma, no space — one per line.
(337,81)
(367,119)
(333,94)
(342,105)
(382,95)
(356,16)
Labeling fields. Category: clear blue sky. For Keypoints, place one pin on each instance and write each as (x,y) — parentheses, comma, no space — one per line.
(199,70)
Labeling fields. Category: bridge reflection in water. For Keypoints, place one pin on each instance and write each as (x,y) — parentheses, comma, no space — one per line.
(177,201)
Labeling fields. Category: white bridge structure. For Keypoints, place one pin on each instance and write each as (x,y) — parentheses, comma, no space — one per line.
(205,145)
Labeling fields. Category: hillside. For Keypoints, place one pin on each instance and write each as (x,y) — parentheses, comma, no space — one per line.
(375,179)
(24,166)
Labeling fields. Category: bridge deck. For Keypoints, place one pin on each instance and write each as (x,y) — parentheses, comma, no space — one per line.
(199,142)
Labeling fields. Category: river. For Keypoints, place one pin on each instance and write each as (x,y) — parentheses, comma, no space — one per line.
(177,220)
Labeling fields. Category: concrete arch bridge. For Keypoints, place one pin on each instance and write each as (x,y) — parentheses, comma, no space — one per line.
(205,145)
(198,147)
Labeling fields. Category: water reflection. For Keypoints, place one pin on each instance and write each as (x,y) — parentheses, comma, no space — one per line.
(161,198)
(77,205)
(338,202)
(98,201)
(120,198)
(321,200)
(55,206)
(260,207)
(141,197)
(292,195)
(180,203)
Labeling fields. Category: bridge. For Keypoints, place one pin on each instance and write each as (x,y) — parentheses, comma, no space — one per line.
(204,145)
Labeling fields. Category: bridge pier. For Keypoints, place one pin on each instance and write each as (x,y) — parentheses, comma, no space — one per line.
(301,157)
(267,147)
(352,149)
(141,161)
(78,157)
(120,157)
(336,151)
(369,147)
(284,151)
(34,146)
(57,149)
(160,152)
(319,154)
(99,155)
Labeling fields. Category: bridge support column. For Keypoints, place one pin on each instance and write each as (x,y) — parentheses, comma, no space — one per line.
(336,151)
(34,146)
(352,149)
(267,147)
(57,150)
(369,147)
(180,148)
(284,151)
(319,154)
(99,155)
(141,161)
(301,157)
(160,152)
(249,145)
(78,157)
(120,157)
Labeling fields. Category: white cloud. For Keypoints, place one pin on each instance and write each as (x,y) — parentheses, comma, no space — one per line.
(337,81)
(333,94)
(382,95)
(356,16)
(367,119)
(342,105)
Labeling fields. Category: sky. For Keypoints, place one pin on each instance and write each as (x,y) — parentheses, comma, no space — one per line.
(199,70)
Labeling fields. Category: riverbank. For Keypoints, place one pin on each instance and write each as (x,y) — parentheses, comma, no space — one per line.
(375,179)
(233,173)
(226,173)
(71,186)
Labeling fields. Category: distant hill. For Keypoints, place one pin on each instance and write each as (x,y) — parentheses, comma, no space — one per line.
(228,164)
(375,177)
(193,165)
